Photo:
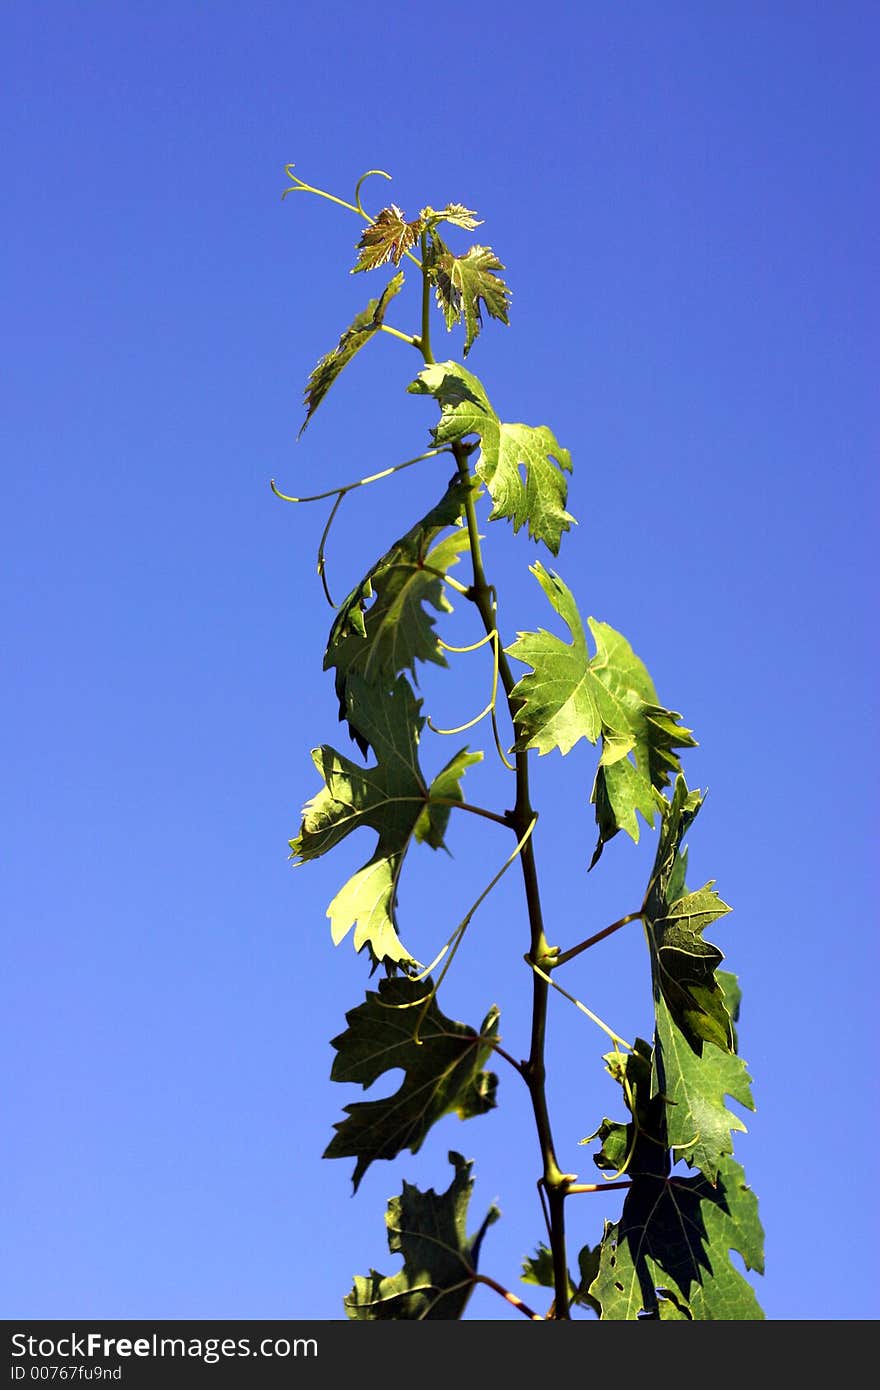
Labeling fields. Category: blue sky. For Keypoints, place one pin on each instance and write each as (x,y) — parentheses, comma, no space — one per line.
(685,198)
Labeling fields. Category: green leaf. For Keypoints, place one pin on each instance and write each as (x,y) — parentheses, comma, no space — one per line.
(381,640)
(439,1261)
(571,695)
(442,1069)
(699,1126)
(683,964)
(391,798)
(359,332)
(588,1267)
(640,1145)
(538,1269)
(534,497)
(672,1245)
(463,283)
(729,985)
(456,213)
(388,238)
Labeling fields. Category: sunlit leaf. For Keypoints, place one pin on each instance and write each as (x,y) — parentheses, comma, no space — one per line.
(359,332)
(388,238)
(523,467)
(571,694)
(380,639)
(464,283)
(391,798)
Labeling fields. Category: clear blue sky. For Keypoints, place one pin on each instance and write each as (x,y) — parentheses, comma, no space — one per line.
(685,197)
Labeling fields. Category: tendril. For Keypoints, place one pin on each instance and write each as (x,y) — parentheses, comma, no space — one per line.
(357,192)
(321,545)
(455,939)
(615,1037)
(299,185)
(359,482)
(490,708)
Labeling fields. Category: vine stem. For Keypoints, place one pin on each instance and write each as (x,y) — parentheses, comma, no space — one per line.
(599,936)
(595,1186)
(396,333)
(424,343)
(511,1297)
(533,1068)
(474,810)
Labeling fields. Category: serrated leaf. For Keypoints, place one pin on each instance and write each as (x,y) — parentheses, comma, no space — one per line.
(571,695)
(538,1269)
(439,1260)
(588,1266)
(672,1244)
(699,1126)
(537,499)
(445,788)
(639,1146)
(683,964)
(729,985)
(388,238)
(463,283)
(456,213)
(380,640)
(359,332)
(391,797)
(442,1069)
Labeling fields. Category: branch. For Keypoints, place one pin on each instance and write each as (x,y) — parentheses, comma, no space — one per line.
(522,817)
(511,1297)
(600,936)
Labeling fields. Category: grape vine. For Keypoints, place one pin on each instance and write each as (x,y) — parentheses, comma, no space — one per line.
(687,1205)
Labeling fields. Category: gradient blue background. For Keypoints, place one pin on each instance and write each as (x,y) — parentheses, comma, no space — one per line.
(685,197)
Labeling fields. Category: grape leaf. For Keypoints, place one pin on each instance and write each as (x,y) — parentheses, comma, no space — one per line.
(388,238)
(380,641)
(455,213)
(732,998)
(674,1235)
(462,283)
(359,332)
(621,1145)
(570,695)
(536,500)
(683,964)
(698,1123)
(538,1269)
(439,1261)
(673,1240)
(392,798)
(442,1069)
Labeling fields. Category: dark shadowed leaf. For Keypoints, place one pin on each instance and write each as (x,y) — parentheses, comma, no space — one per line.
(439,1260)
(442,1066)
(672,1245)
